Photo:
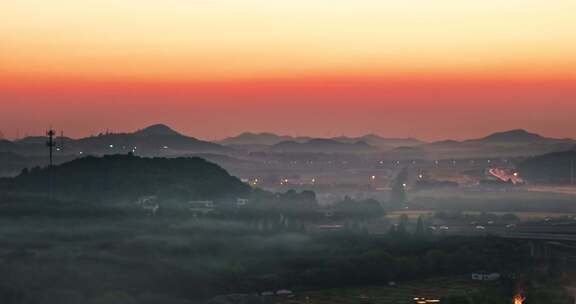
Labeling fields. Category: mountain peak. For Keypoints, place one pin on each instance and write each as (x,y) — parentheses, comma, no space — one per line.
(253,138)
(157,130)
(516,135)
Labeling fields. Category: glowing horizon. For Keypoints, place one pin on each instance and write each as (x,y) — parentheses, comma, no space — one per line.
(235,63)
(227,39)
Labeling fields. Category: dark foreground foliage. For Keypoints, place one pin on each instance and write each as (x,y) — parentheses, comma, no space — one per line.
(130,257)
(121,177)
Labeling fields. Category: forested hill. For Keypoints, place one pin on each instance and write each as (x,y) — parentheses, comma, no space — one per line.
(552,168)
(128,177)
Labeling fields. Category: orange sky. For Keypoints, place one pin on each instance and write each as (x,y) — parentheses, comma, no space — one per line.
(211,68)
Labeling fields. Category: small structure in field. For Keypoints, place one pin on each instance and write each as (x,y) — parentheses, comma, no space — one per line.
(485,276)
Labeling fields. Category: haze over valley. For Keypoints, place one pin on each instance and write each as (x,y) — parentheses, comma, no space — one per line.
(287,152)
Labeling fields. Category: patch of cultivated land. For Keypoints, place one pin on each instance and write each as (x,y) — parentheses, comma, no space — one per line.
(403,293)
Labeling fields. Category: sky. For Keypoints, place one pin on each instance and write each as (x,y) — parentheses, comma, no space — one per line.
(213,68)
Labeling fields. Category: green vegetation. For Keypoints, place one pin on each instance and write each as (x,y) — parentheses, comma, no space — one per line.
(127,177)
(95,244)
(552,168)
(131,257)
(362,209)
(448,289)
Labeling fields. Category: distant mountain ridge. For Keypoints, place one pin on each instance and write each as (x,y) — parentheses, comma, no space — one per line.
(510,136)
(157,130)
(382,142)
(161,140)
(151,141)
(514,136)
(269,139)
(323,145)
(158,139)
(511,143)
(249,138)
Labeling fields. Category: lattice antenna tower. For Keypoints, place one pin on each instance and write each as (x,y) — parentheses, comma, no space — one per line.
(50,144)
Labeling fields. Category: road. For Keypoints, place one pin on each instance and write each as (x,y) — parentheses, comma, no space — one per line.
(533,232)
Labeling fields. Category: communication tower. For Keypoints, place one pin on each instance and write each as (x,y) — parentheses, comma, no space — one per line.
(50,144)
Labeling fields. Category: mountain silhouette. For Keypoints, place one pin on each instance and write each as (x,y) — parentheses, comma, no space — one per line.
(157,130)
(154,140)
(552,168)
(511,143)
(381,142)
(161,140)
(125,176)
(323,146)
(249,138)
(514,136)
(257,140)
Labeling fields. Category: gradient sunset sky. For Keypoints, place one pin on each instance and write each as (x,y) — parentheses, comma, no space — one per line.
(213,68)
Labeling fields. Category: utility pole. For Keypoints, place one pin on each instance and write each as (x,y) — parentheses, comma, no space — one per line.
(50,143)
(61,140)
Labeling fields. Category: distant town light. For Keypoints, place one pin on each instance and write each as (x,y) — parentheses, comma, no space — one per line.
(425,301)
(111,146)
(373,177)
